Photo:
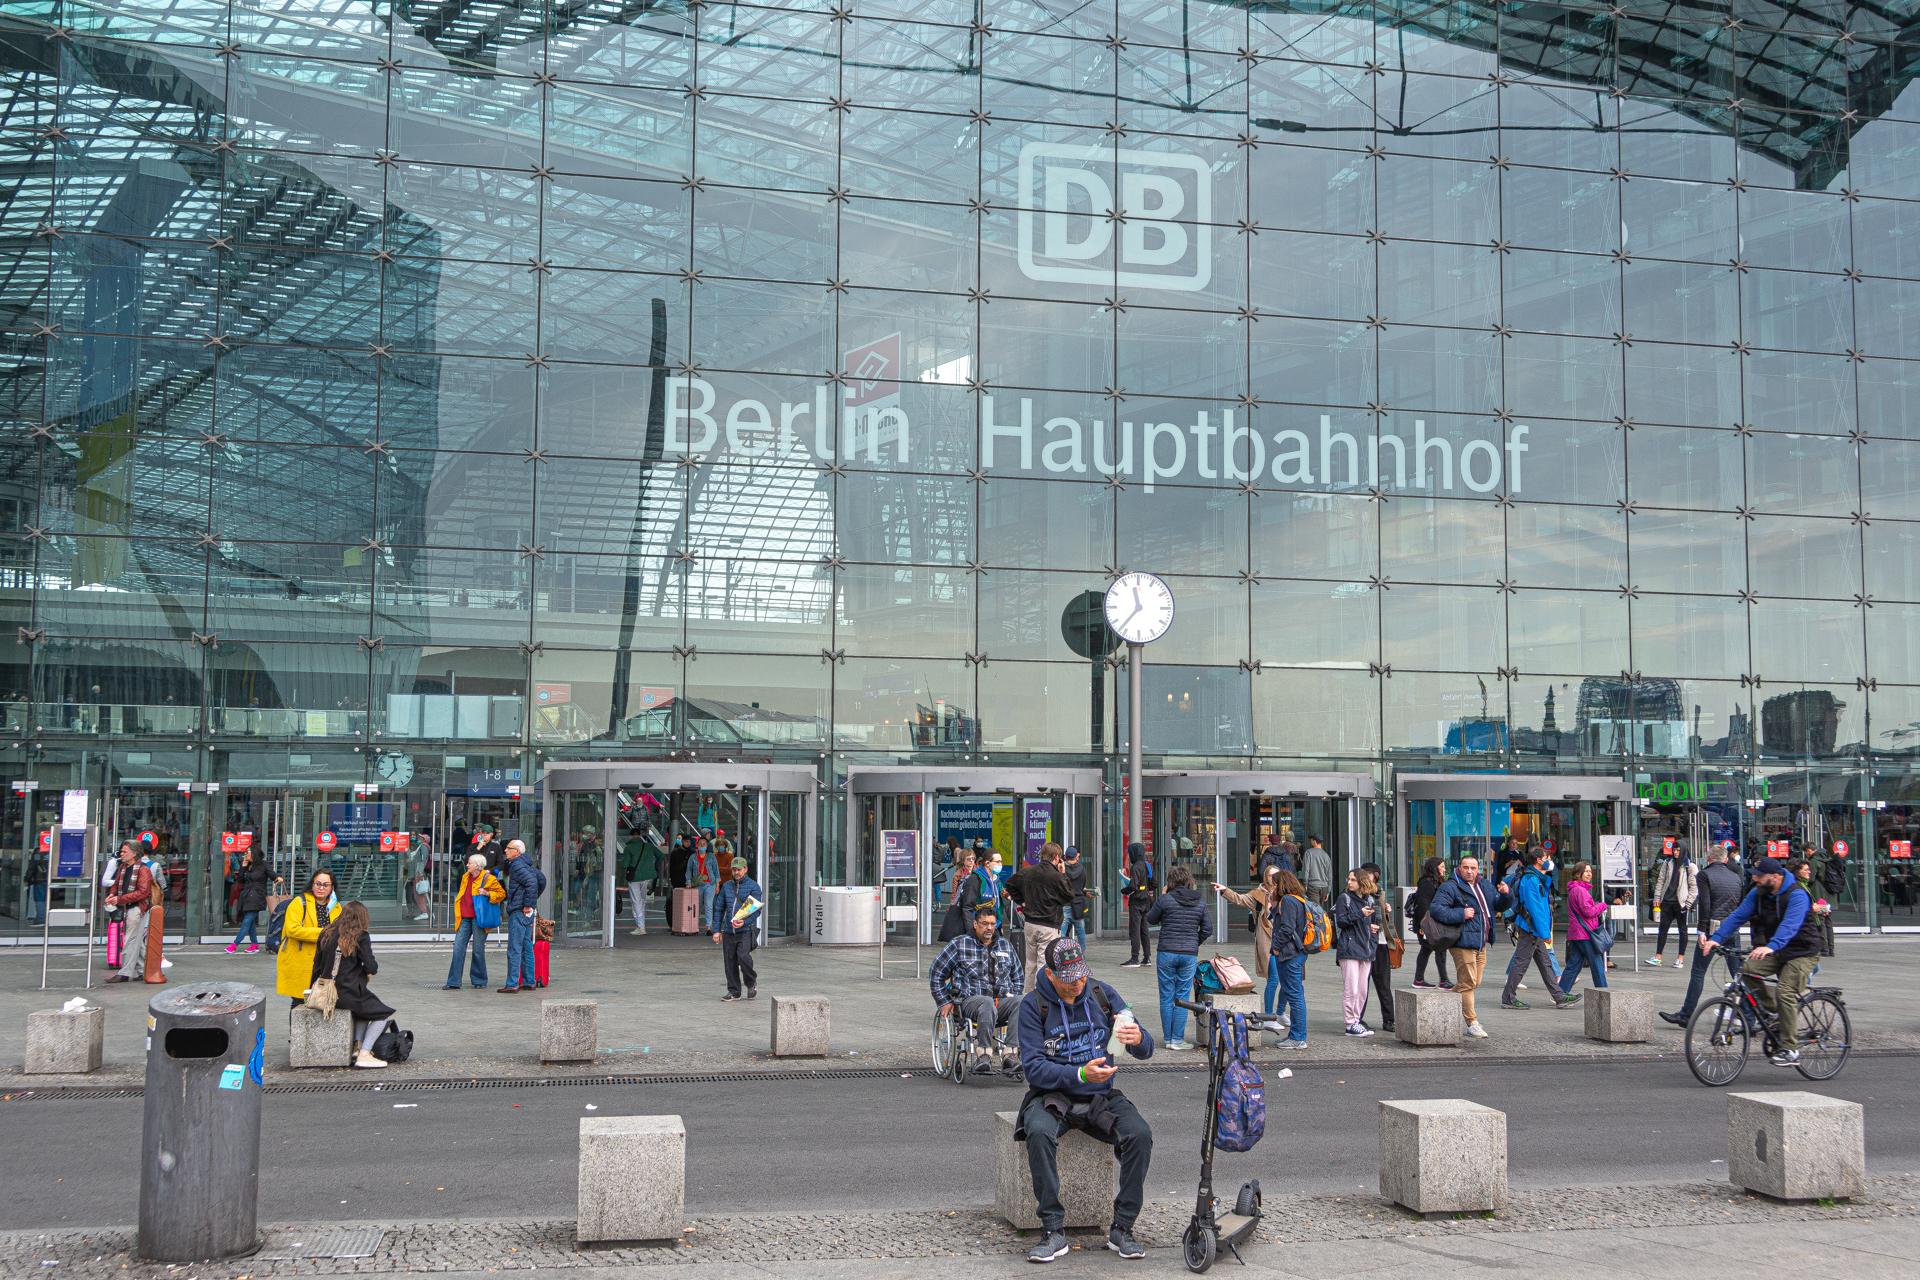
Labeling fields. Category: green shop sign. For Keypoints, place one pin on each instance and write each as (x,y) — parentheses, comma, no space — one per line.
(1691,791)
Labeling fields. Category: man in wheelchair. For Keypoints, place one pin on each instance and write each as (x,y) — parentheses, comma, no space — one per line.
(978,976)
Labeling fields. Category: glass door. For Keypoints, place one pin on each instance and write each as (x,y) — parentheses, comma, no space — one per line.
(781,872)
(580,826)
(1896,829)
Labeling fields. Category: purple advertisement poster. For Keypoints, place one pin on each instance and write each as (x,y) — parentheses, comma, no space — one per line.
(1036,823)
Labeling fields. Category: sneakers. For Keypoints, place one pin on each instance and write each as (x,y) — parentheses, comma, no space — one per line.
(1673,1018)
(1446,986)
(421,916)
(984,1067)
(1475,1030)
(232,950)
(364,1058)
(1654,963)
(1358,1029)
(1515,1004)
(752,993)
(1121,1241)
(1050,1248)
(1297,1044)
(728,998)
(1421,983)
(1566,1002)
(507,991)
(1176,1045)
(253,948)
(1786,1058)
(1131,964)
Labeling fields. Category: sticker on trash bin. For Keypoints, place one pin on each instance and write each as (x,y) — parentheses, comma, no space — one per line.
(233,1076)
(150,1022)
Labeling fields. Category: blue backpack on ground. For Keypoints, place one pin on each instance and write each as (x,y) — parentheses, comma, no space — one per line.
(1240,1116)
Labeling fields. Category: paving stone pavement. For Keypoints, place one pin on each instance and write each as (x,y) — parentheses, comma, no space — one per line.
(461,1247)
(659,1013)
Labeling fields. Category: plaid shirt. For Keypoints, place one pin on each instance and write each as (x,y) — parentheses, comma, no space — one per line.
(970,969)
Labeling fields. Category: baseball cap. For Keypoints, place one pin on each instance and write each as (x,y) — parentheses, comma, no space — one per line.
(486,827)
(1067,961)
(739,864)
(1769,867)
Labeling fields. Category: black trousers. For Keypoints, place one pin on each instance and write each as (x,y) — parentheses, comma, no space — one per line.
(1439,955)
(1672,915)
(736,949)
(1132,1142)
(1383,985)
(1139,938)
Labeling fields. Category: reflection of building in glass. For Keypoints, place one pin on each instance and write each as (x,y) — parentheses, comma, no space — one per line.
(1802,722)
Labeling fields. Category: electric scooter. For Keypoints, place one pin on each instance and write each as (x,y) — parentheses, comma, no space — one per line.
(1210,1230)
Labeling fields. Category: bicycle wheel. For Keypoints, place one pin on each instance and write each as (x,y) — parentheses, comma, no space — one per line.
(1717,1043)
(1826,1037)
(942,1044)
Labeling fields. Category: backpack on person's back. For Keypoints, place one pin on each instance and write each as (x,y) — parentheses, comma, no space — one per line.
(1316,931)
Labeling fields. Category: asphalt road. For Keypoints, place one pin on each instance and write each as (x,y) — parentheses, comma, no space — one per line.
(920,1142)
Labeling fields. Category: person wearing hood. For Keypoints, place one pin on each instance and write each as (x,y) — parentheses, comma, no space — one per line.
(1141,892)
(1065,1028)
(1185,922)
(1466,909)
(1533,931)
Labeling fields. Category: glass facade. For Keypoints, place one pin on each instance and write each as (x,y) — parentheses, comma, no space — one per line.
(409,394)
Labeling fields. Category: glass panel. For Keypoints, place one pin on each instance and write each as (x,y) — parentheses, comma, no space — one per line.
(581,858)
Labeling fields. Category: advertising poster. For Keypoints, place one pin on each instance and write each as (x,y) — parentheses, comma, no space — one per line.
(900,855)
(1036,826)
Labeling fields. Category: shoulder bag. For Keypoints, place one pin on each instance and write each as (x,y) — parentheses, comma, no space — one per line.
(325,993)
(1600,932)
(486,912)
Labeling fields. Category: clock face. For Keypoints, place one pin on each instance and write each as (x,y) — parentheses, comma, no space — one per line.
(394,769)
(1139,607)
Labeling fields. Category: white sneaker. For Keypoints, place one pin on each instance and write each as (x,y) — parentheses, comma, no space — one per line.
(1477,1031)
(365,1059)
(421,916)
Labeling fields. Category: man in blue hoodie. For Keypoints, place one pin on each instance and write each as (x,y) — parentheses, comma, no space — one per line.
(1533,925)
(1063,1027)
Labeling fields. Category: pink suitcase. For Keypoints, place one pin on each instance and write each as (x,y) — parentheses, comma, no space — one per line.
(683,916)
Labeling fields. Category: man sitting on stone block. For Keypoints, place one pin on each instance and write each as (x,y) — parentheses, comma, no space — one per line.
(1065,1027)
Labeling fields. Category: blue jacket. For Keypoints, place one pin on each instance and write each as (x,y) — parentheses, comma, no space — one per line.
(731,894)
(1289,918)
(1057,1039)
(1793,904)
(525,883)
(1533,903)
(1185,921)
(1450,903)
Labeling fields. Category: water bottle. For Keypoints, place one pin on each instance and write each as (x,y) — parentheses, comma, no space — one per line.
(1115,1046)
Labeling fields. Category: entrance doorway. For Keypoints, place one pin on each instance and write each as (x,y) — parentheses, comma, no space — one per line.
(1485,815)
(1216,823)
(1012,810)
(616,835)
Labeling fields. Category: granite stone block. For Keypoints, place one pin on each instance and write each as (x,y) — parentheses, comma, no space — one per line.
(1443,1155)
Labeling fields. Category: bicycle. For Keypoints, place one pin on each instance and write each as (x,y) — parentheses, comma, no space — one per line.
(1720,1032)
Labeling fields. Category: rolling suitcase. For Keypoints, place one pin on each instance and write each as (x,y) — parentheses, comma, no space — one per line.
(683,915)
(540,953)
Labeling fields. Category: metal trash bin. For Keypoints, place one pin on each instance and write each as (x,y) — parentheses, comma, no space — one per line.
(200,1149)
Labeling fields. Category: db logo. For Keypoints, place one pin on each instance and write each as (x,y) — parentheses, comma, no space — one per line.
(1154,225)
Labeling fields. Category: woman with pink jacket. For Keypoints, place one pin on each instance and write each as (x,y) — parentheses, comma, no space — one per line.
(1584,914)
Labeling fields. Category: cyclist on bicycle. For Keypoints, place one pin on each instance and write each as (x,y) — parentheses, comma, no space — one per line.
(979,975)
(1782,913)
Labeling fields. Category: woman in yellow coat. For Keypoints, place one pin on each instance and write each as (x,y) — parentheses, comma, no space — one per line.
(477,908)
(300,930)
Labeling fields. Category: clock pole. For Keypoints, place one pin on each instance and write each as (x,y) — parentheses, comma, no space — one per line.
(1136,653)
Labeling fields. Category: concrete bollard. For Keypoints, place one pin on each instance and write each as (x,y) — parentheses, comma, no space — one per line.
(1443,1155)
(1427,1016)
(633,1178)
(1087,1170)
(802,1026)
(1795,1145)
(569,1030)
(1619,1017)
(315,1040)
(63,1043)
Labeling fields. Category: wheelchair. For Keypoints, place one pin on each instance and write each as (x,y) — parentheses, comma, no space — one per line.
(957,1046)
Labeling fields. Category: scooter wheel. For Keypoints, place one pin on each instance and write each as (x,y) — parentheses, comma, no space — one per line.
(1197,1247)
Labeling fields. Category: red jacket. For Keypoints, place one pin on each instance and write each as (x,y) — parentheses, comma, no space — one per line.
(141,895)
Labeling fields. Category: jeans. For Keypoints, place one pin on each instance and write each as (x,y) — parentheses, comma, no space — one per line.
(1132,1142)
(1582,954)
(1291,976)
(248,922)
(1439,958)
(706,905)
(1076,929)
(1517,969)
(1273,987)
(1672,914)
(519,949)
(1176,983)
(478,939)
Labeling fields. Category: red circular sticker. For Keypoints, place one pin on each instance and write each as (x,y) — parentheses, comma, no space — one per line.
(148,837)
(229,841)
(326,840)
(46,840)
